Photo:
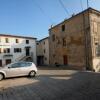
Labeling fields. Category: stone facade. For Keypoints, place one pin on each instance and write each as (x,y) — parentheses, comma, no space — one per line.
(75,41)
(43,51)
(95,38)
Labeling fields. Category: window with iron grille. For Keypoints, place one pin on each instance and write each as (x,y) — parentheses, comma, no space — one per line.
(6,50)
(17,50)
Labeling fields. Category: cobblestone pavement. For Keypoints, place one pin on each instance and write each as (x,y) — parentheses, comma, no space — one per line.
(53,85)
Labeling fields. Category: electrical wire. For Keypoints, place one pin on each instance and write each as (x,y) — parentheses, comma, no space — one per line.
(42,11)
(81,4)
(61,3)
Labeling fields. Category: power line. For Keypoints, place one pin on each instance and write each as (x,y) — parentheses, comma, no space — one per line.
(60,1)
(42,11)
(81,4)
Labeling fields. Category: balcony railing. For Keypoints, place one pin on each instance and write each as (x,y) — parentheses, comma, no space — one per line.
(7,55)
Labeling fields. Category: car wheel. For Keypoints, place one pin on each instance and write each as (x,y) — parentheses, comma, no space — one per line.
(1,76)
(32,74)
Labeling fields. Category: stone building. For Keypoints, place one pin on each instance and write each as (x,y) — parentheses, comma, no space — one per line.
(43,51)
(16,48)
(76,41)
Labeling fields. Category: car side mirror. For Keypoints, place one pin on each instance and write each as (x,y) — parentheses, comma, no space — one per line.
(9,67)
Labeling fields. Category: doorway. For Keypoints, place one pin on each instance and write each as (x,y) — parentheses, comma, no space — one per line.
(0,63)
(8,61)
(40,60)
(65,60)
(27,51)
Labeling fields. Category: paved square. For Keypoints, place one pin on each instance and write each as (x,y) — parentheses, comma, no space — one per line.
(53,85)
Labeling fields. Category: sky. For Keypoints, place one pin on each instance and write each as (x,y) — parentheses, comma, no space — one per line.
(34,17)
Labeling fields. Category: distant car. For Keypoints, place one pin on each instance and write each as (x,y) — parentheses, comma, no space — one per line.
(18,69)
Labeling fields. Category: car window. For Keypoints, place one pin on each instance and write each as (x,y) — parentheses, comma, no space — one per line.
(21,64)
(25,64)
(15,65)
(28,63)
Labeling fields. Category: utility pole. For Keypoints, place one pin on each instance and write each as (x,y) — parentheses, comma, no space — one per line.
(87,65)
(87,4)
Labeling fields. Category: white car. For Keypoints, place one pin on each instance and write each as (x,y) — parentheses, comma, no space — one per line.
(18,69)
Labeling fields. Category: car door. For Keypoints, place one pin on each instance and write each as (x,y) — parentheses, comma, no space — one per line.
(25,68)
(13,70)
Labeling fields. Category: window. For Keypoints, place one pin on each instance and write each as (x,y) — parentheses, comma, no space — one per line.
(53,37)
(95,27)
(17,41)
(45,58)
(15,65)
(44,42)
(7,50)
(6,40)
(44,50)
(54,55)
(27,41)
(63,27)
(25,64)
(96,43)
(97,50)
(4,50)
(20,50)
(58,41)
(37,43)
(17,50)
(0,50)
(64,42)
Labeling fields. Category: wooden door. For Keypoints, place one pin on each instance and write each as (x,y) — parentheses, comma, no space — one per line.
(65,59)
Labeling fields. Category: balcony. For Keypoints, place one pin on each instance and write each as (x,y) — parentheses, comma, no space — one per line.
(7,55)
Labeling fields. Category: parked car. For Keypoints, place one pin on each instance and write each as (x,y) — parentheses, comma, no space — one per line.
(18,69)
